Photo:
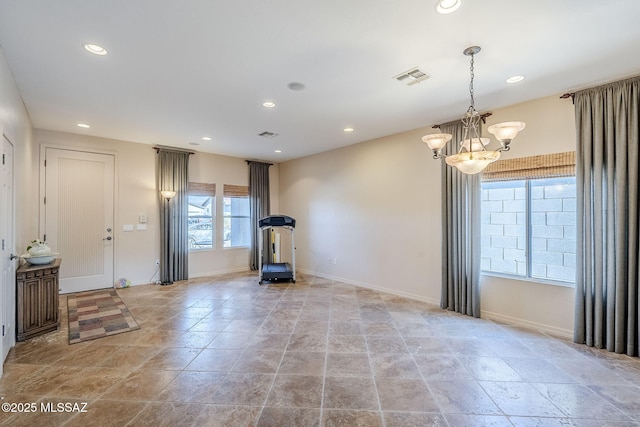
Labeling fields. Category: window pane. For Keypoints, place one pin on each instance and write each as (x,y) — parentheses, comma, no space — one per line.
(236,222)
(553,229)
(200,227)
(504,227)
(239,232)
(239,206)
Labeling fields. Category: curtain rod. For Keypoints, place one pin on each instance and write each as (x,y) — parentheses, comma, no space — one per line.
(482,116)
(177,150)
(257,161)
(571,95)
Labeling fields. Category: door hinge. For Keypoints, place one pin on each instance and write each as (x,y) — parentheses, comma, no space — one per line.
(44,237)
(3,158)
(3,244)
(45,200)
(2,330)
(45,163)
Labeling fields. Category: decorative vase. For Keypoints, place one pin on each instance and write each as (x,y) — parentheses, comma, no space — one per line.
(39,249)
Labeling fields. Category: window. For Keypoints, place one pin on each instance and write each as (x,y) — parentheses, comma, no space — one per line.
(529,221)
(201,216)
(236,216)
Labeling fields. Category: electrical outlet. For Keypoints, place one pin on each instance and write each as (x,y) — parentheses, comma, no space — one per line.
(335,261)
(157,262)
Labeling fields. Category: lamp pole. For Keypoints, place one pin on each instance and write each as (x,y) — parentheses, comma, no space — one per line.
(168,194)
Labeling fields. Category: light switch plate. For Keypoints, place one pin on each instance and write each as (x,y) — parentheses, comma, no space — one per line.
(127,227)
(141,227)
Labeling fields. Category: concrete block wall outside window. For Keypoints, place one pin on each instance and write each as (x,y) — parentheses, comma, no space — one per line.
(529,228)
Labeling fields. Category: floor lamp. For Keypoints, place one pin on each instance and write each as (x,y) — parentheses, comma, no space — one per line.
(168,194)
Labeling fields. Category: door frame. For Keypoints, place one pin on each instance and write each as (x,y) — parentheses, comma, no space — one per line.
(9,305)
(42,191)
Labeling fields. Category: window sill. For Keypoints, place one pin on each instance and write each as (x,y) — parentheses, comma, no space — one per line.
(529,279)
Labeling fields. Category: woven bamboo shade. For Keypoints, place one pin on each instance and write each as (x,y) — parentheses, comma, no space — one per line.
(543,166)
(236,190)
(202,189)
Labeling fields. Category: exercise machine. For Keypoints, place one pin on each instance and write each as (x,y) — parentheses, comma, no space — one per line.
(271,270)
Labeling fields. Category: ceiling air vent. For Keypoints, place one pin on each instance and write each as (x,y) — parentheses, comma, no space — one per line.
(412,76)
(268,134)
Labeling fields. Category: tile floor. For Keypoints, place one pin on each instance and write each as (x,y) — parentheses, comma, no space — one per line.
(225,351)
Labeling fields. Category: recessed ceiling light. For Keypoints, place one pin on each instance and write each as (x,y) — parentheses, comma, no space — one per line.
(268,104)
(95,49)
(83,125)
(296,86)
(515,79)
(348,129)
(278,151)
(445,7)
(206,138)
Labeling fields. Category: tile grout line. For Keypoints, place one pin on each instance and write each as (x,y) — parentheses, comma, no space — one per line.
(275,375)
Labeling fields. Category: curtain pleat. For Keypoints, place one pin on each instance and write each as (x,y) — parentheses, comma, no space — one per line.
(173,174)
(260,206)
(607,178)
(460,234)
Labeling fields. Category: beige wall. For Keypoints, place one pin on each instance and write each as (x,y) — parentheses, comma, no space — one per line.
(375,208)
(16,127)
(222,170)
(136,252)
(550,129)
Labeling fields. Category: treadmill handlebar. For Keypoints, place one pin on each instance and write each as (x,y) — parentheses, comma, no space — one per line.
(277,221)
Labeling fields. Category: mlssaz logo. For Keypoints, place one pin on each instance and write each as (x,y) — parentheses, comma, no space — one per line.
(63,407)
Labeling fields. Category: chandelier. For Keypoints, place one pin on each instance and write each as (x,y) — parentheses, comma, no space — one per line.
(473,157)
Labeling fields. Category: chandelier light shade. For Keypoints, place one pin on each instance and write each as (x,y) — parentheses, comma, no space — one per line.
(505,132)
(436,141)
(478,144)
(472,162)
(472,156)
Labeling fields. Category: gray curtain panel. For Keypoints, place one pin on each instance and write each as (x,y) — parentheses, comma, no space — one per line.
(260,206)
(607,180)
(173,174)
(460,233)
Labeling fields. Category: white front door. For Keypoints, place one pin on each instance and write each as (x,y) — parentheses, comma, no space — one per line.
(79,218)
(7,248)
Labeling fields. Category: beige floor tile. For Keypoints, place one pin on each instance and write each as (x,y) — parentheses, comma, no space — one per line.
(224,351)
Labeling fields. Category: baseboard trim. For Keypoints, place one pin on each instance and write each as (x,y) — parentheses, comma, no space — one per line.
(200,275)
(501,318)
(373,287)
(218,273)
(551,330)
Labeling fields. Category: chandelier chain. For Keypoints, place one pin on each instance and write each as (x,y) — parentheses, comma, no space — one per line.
(473,104)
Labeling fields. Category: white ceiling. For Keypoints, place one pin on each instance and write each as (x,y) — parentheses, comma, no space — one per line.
(181,70)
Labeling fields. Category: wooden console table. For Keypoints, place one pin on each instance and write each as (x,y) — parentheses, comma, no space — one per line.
(37,299)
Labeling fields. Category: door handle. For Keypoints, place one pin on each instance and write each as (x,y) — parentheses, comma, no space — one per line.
(107,238)
(12,257)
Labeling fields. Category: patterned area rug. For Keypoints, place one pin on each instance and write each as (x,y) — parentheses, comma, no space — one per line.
(98,314)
